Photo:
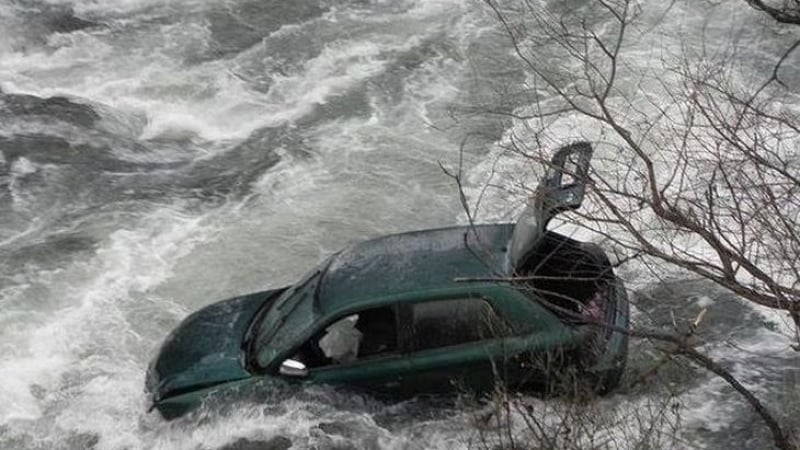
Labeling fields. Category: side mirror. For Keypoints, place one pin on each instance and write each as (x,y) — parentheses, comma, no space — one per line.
(293,368)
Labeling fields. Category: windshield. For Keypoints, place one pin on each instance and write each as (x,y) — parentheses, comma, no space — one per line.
(291,315)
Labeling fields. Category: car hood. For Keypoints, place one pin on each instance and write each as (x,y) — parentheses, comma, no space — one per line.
(205,349)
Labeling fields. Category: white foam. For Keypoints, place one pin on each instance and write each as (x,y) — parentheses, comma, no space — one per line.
(23,166)
(91,318)
(702,301)
(203,100)
(22,376)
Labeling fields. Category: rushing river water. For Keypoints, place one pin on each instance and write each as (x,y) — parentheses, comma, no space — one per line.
(157,156)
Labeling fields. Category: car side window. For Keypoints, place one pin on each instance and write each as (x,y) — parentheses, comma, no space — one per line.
(370,333)
(443,323)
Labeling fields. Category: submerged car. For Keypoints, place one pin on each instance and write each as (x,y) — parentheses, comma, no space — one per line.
(421,312)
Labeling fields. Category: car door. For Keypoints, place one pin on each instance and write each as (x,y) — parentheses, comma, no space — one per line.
(384,376)
(469,342)
(378,363)
(455,344)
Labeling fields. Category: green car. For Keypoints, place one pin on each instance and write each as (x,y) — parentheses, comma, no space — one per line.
(430,311)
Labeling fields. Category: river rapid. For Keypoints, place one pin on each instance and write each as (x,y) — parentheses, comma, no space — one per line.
(158,156)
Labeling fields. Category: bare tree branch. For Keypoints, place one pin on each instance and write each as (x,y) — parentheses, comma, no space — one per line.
(788,14)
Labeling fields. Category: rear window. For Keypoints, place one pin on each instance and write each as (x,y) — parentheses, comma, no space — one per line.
(443,323)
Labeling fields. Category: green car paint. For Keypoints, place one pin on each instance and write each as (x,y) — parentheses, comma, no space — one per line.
(389,375)
(205,349)
(207,354)
(410,265)
(243,343)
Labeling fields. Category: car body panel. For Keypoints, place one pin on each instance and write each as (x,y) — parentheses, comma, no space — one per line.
(383,376)
(205,349)
(476,366)
(412,262)
(422,263)
(472,366)
(180,404)
(292,314)
(534,329)
(546,299)
(562,188)
(616,349)
(523,314)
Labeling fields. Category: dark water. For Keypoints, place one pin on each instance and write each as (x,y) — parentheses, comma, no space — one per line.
(157,156)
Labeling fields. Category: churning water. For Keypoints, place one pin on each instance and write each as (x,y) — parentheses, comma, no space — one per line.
(157,156)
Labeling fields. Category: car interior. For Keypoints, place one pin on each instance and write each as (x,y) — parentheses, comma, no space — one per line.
(568,274)
(373,333)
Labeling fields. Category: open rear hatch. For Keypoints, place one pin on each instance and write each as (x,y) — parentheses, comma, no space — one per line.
(566,273)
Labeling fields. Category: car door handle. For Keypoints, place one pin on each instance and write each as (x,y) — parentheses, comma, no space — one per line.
(394,383)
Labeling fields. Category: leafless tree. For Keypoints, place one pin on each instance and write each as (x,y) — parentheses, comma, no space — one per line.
(784,11)
(512,421)
(698,160)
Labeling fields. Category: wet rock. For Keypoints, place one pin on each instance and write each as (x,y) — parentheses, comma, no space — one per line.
(57,107)
(46,149)
(233,172)
(335,428)
(38,391)
(65,21)
(246,23)
(40,149)
(86,441)
(32,24)
(56,247)
(276,443)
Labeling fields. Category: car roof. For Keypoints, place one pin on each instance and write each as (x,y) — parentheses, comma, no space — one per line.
(412,262)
